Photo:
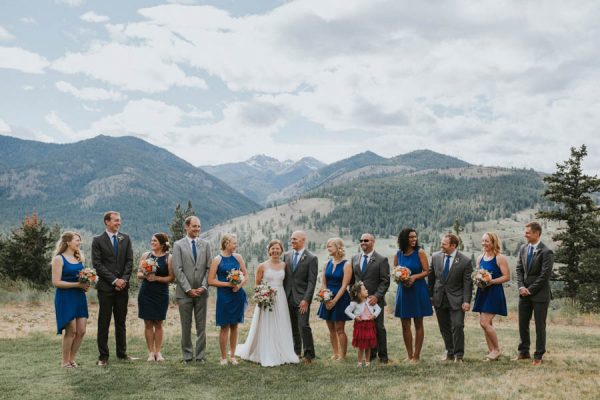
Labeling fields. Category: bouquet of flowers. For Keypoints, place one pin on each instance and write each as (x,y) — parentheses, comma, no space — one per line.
(481,278)
(149,266)
(401,274)
(324,296)
(235,277)
(88,276)
(264,296)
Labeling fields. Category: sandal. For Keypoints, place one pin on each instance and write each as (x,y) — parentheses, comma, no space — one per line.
(67,365)
(159,357)
(233,361)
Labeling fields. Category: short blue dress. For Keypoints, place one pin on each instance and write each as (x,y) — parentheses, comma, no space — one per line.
(230,305)
(153,297)
(491,299)
(412,302)
(334,280)
(69,303)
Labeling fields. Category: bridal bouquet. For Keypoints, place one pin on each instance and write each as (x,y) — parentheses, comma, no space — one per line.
(88,276)
(149,266)
(481,278)
(264,296)
(401,274)
(235,277)
(324,296)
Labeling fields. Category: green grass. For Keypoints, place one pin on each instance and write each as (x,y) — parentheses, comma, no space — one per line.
(30,370)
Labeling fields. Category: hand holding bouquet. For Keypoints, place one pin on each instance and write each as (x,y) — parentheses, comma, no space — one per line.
(264,296)
(401,275)
(235,277)
(149,266)
(482,278)
(88,276)
(324,296)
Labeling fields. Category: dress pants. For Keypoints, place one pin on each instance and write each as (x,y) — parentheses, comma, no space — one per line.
(302,333)
(539,310)
(452,325)
(112,303)
(381,349)
(193,307)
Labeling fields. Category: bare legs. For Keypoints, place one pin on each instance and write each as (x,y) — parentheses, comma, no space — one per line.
(485,320)
(74,332)
(228,332)
(413,354)
(338,339)
(153,332)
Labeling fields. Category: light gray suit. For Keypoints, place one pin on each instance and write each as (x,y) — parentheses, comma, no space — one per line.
(448,296)
(192,275)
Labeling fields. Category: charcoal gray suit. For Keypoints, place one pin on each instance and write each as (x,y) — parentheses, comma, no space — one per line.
(376,279)
(536,279)
(448,295)
(190,274)
(299,284)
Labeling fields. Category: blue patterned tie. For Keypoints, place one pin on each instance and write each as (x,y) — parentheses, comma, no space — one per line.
(115,245)
(529,257)
(364,263)
(194,251)
(295,261)
(447,267)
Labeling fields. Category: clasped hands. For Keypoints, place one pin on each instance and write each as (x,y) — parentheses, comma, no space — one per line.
(195,292)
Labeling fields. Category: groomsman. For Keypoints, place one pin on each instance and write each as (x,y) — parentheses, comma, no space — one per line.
(373,270)
(301,270)
(451,287)
(191,260)
(112,257)
(534,268)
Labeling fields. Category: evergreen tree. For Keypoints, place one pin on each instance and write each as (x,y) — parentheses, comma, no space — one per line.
(457,228)
(177,225)
(28,252)
(570,189)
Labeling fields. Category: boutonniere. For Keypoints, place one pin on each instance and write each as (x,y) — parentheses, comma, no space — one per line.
(303,257)
(457,260)
(536,251)
(120,237)
(371,260)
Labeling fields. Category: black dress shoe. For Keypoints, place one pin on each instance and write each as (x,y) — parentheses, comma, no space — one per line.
(128,358)
(102,363)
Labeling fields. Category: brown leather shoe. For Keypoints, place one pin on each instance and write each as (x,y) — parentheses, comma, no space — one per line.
(307,360)
(536,362)
(448,358)
(520,357)
(459,360)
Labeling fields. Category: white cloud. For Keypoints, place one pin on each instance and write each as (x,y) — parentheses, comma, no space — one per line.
(61,126)
(28,20)
(4,34)
(4,127)
(91,16)
(22,60)
(70,3)
(184,2)
(91,94)
(28,88)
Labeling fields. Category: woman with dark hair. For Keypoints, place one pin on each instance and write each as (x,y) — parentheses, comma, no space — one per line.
(412,298)
(69,299)
(156,272)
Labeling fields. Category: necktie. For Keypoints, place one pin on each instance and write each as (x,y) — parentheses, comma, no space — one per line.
(194,251)
(529,257)
(447,267)
(364,263)
(295,261)
(115,245)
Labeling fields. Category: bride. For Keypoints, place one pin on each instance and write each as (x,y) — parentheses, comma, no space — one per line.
(269,340)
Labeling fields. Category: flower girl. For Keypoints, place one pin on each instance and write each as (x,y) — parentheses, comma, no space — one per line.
(364,336)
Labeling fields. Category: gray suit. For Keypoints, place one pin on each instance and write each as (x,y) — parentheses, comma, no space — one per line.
(376,279)
(536,278)
(192,275)
(300,285)
(448,295)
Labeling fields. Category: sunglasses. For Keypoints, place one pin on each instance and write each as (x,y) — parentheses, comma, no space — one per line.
(364,240)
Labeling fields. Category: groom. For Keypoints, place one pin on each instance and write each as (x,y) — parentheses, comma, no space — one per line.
(301,269)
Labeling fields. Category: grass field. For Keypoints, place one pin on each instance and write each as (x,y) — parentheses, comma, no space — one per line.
(30,360)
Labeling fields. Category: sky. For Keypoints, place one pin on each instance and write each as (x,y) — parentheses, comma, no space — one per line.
(506,83)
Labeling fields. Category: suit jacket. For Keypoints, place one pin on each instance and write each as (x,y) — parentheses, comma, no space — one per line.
(376,277)
(108,267)
(300,284)
(536,278)
(458,287)
(190,274)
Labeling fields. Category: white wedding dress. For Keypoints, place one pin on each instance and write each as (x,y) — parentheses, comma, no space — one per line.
(269,342)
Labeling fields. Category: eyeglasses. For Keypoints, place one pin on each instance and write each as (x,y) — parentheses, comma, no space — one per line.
(364,240)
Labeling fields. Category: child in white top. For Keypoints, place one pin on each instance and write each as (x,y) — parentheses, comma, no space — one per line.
(364,336)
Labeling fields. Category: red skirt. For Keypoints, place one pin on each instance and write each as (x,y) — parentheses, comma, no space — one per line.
(364,335)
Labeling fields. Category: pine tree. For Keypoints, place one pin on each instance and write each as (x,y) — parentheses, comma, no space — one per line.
(28,252)
(177,225)
(570,189)
(457,228)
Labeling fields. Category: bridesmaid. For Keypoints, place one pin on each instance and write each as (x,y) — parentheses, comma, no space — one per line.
(336,277)
(412,298)
(491,300)
(231,299)
(69,298)
(153,297)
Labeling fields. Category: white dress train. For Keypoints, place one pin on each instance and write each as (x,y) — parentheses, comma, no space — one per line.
(270,342)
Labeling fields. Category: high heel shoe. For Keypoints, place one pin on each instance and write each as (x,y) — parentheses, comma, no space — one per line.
(151,357)
(493,356)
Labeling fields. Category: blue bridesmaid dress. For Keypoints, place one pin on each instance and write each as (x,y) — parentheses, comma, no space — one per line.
(230,305)
(412,302)
(69,303)
(491,300)
(334,280)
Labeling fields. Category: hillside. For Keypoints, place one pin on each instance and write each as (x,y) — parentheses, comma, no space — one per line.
(73,184)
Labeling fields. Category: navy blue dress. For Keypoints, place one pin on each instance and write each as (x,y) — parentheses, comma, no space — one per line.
(334,283)
(491,299)
(69,303)
(230,305)
(412,302)
(153,297)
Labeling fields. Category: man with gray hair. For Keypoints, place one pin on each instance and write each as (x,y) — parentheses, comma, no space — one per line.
(191,260)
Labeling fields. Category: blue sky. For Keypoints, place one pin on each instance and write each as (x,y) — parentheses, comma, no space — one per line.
(493,83)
